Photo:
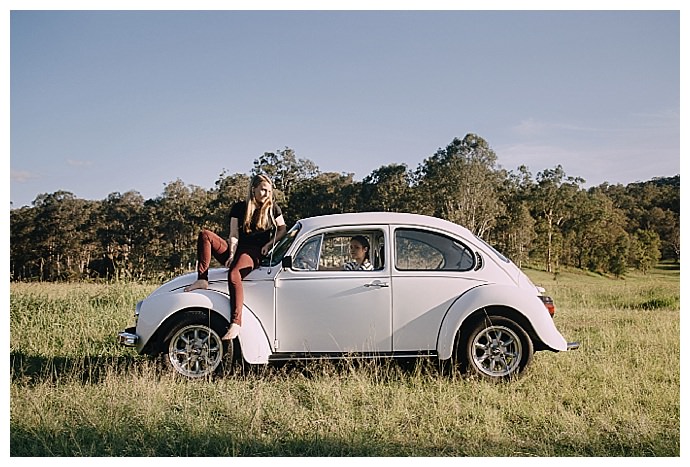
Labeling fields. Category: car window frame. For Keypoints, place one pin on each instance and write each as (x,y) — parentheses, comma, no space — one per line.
(444,235)
(314,238)
(373,232)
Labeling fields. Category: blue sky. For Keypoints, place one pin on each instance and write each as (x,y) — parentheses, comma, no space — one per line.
(111,101)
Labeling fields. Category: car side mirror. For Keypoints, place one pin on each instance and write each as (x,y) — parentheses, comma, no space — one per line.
(287,262)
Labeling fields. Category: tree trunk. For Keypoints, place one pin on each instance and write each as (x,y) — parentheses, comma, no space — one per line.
(549,243)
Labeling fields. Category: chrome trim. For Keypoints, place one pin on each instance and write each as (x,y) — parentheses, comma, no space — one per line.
(127,339)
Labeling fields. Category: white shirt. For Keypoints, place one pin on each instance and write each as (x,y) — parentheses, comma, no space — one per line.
(355,266)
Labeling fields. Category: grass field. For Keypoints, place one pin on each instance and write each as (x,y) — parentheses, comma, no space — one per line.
(75,392)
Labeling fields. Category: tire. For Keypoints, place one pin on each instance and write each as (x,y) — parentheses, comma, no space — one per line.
(193,347)
(496,348)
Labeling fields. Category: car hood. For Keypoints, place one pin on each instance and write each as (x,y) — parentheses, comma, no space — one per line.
(217,279)
(177,283)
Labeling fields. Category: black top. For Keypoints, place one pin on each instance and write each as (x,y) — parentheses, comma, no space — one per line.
(253,238)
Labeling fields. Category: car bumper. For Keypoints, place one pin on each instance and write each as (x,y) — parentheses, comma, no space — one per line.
(128,338)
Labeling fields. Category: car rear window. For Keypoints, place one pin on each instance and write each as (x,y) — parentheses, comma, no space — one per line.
(422,250)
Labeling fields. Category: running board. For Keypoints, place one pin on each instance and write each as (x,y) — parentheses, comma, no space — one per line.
(339,356)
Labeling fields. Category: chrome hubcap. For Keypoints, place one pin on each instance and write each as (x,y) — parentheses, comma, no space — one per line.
(497,351)
(195,351)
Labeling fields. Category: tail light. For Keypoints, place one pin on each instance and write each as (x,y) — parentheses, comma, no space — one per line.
(548,303)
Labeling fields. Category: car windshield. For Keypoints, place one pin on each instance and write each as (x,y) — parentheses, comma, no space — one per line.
(275,256)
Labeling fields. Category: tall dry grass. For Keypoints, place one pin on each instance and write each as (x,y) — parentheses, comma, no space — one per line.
(75,392)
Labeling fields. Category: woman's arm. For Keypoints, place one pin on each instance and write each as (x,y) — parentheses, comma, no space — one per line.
(281,230)
(233,240)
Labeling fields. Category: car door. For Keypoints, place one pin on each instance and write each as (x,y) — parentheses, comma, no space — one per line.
(430,271)
(322,308)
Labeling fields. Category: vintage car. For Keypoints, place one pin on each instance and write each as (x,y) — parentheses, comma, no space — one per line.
(435,290)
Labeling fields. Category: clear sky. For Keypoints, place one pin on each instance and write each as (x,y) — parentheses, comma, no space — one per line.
(111,101)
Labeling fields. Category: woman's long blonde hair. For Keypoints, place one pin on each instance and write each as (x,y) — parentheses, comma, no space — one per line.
(265,220)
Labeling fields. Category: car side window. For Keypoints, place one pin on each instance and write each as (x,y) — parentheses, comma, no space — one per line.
(417,250)
(307,258)
(331,251)
(335,252)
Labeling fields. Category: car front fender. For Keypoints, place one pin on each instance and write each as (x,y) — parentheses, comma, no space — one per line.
(157,309)
(523,301)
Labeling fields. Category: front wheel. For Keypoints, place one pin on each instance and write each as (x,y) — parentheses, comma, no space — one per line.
(194,346)
(496,348)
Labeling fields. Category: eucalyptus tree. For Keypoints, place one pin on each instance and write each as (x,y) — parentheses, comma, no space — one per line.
(618,260)
(326,193)
(228,190)
(285,169)
(653,205)
(57,235)
(594,234)
(121,232)
(461,184)
(666,224)
(645,250)
(387,188)
(552,203)
(514,231)
(180,213)
(23,261)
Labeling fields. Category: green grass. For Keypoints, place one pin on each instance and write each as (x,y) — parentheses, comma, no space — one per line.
(75,392)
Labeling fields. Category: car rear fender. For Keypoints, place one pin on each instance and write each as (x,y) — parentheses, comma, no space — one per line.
(523,301)
(159,309)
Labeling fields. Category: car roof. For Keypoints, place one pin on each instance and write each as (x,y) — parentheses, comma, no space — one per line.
(364,218)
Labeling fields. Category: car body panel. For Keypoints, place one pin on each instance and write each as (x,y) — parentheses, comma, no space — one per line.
(336,311)
(421,302)
(497,295)
(156,309)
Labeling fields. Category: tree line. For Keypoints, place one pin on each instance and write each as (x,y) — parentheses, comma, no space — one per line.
(548,220)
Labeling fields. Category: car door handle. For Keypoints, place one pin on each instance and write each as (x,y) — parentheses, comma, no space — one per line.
(377,284)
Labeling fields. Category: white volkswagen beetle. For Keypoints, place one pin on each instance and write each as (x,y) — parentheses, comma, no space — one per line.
(435,290)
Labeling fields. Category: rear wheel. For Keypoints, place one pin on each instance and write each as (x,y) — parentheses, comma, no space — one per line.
(496,348)
(194,346)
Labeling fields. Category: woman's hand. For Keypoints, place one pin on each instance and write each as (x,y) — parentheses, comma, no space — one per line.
(233,240)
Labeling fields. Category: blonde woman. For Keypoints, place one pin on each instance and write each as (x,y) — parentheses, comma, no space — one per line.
(251,226)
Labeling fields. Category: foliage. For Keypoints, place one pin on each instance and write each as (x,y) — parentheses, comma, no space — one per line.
(645,250)
(326,193)
(460,183)
(285,169)
(388,188)
(549,220)
(515,231)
